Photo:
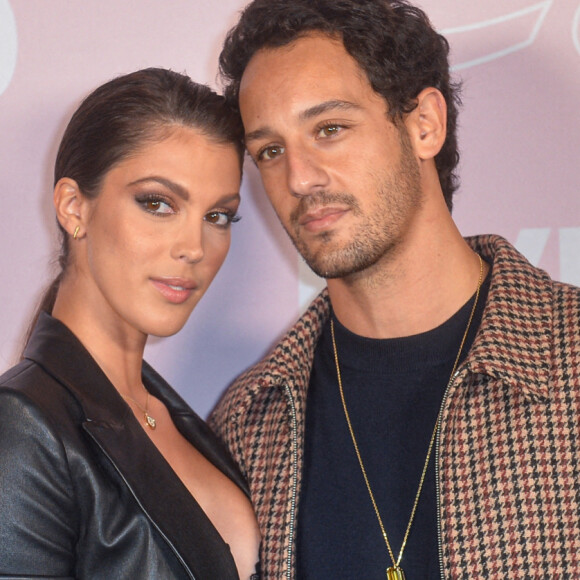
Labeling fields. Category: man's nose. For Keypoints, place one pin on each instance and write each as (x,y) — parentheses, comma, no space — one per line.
(306,173)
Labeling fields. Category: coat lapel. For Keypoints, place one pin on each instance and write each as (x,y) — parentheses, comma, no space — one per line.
(110,423)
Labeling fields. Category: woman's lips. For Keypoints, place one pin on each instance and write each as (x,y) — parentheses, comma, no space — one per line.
(174,290)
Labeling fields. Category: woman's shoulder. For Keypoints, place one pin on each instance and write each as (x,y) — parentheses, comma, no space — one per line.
(12,377)
(26,397)
(32,400)
(28,379)
(32,414)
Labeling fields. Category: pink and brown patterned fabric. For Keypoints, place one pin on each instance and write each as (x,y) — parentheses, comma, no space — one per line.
(508,452)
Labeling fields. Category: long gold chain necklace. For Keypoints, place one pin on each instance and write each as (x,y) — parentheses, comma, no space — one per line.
(149,420)
(395,572)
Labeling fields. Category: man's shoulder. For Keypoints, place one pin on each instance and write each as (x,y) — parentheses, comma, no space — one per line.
(294,349)
(566,304)
(289,360)
(514,266)
(524,299)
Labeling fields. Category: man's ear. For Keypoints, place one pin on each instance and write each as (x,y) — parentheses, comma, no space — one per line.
(427,123)
(71,207)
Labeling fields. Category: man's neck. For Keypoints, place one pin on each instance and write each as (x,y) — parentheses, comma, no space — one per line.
(413,290)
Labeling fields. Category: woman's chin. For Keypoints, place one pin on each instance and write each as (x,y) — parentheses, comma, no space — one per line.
(165,329)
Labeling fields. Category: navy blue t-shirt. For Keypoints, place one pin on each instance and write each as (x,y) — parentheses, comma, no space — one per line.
(393,390)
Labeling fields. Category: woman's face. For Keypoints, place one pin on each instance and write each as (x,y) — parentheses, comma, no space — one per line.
(159,231)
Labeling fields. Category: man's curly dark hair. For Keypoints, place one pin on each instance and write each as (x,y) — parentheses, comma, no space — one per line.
(391,40)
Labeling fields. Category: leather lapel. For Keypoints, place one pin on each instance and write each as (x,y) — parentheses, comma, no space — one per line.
(192,427)
(166,501)
(110,423)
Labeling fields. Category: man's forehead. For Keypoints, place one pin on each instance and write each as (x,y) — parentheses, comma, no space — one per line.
(315,67)
(308,52)
(293,94)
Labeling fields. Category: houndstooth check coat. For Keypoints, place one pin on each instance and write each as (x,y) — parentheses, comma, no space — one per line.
(508,447)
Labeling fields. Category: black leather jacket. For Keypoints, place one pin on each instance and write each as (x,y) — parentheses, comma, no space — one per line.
(84,493)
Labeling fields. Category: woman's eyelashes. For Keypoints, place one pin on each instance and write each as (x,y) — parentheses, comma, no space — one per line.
(222,218)
(156,204)
(162,206)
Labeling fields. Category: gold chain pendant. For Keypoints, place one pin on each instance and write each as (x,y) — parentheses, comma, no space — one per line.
(395,573)
(150,421)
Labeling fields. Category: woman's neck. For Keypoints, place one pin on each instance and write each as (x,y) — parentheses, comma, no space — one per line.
(116,347)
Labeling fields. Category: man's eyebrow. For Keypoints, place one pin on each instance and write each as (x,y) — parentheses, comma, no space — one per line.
(258,134)
(305,115)
(171,185)
(326,107)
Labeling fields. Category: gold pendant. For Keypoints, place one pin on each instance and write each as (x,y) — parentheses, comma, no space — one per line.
(150,421)
(395,573)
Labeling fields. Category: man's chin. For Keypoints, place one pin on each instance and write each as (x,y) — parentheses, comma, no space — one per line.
(330,269)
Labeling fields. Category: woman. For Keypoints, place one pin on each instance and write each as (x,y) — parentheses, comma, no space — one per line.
(105,470)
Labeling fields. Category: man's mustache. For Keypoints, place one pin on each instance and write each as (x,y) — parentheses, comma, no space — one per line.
(321,199)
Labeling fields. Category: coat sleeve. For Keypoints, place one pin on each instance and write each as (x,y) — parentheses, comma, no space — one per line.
(38,519)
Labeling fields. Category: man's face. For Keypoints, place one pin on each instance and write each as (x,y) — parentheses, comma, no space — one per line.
(341,176)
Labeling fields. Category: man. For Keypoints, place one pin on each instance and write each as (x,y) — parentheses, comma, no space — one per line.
(422,417)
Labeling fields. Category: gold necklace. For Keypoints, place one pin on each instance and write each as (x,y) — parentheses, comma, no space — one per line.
(395,572)
(149,420)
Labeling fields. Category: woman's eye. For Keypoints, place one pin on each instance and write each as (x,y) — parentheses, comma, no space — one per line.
(222,218)
(270,153)
(156,206)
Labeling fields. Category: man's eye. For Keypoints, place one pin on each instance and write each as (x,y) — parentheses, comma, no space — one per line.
(269,153)
(329,130)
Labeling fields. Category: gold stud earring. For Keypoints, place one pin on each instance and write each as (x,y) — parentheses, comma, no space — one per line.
(76,232)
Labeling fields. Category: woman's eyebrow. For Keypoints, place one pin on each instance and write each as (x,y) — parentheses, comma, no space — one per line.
(174,187)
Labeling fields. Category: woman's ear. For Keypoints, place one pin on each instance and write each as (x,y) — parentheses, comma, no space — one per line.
(71,207)
(427,123)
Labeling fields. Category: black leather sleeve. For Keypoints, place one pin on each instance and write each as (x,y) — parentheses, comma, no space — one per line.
(38,519)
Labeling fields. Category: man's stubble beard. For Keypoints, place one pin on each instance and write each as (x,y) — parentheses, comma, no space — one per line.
(377,234)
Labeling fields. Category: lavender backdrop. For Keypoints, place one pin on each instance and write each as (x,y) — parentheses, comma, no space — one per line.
(520,138)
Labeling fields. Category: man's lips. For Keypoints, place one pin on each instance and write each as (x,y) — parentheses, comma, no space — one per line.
(321,218)
(175,290)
